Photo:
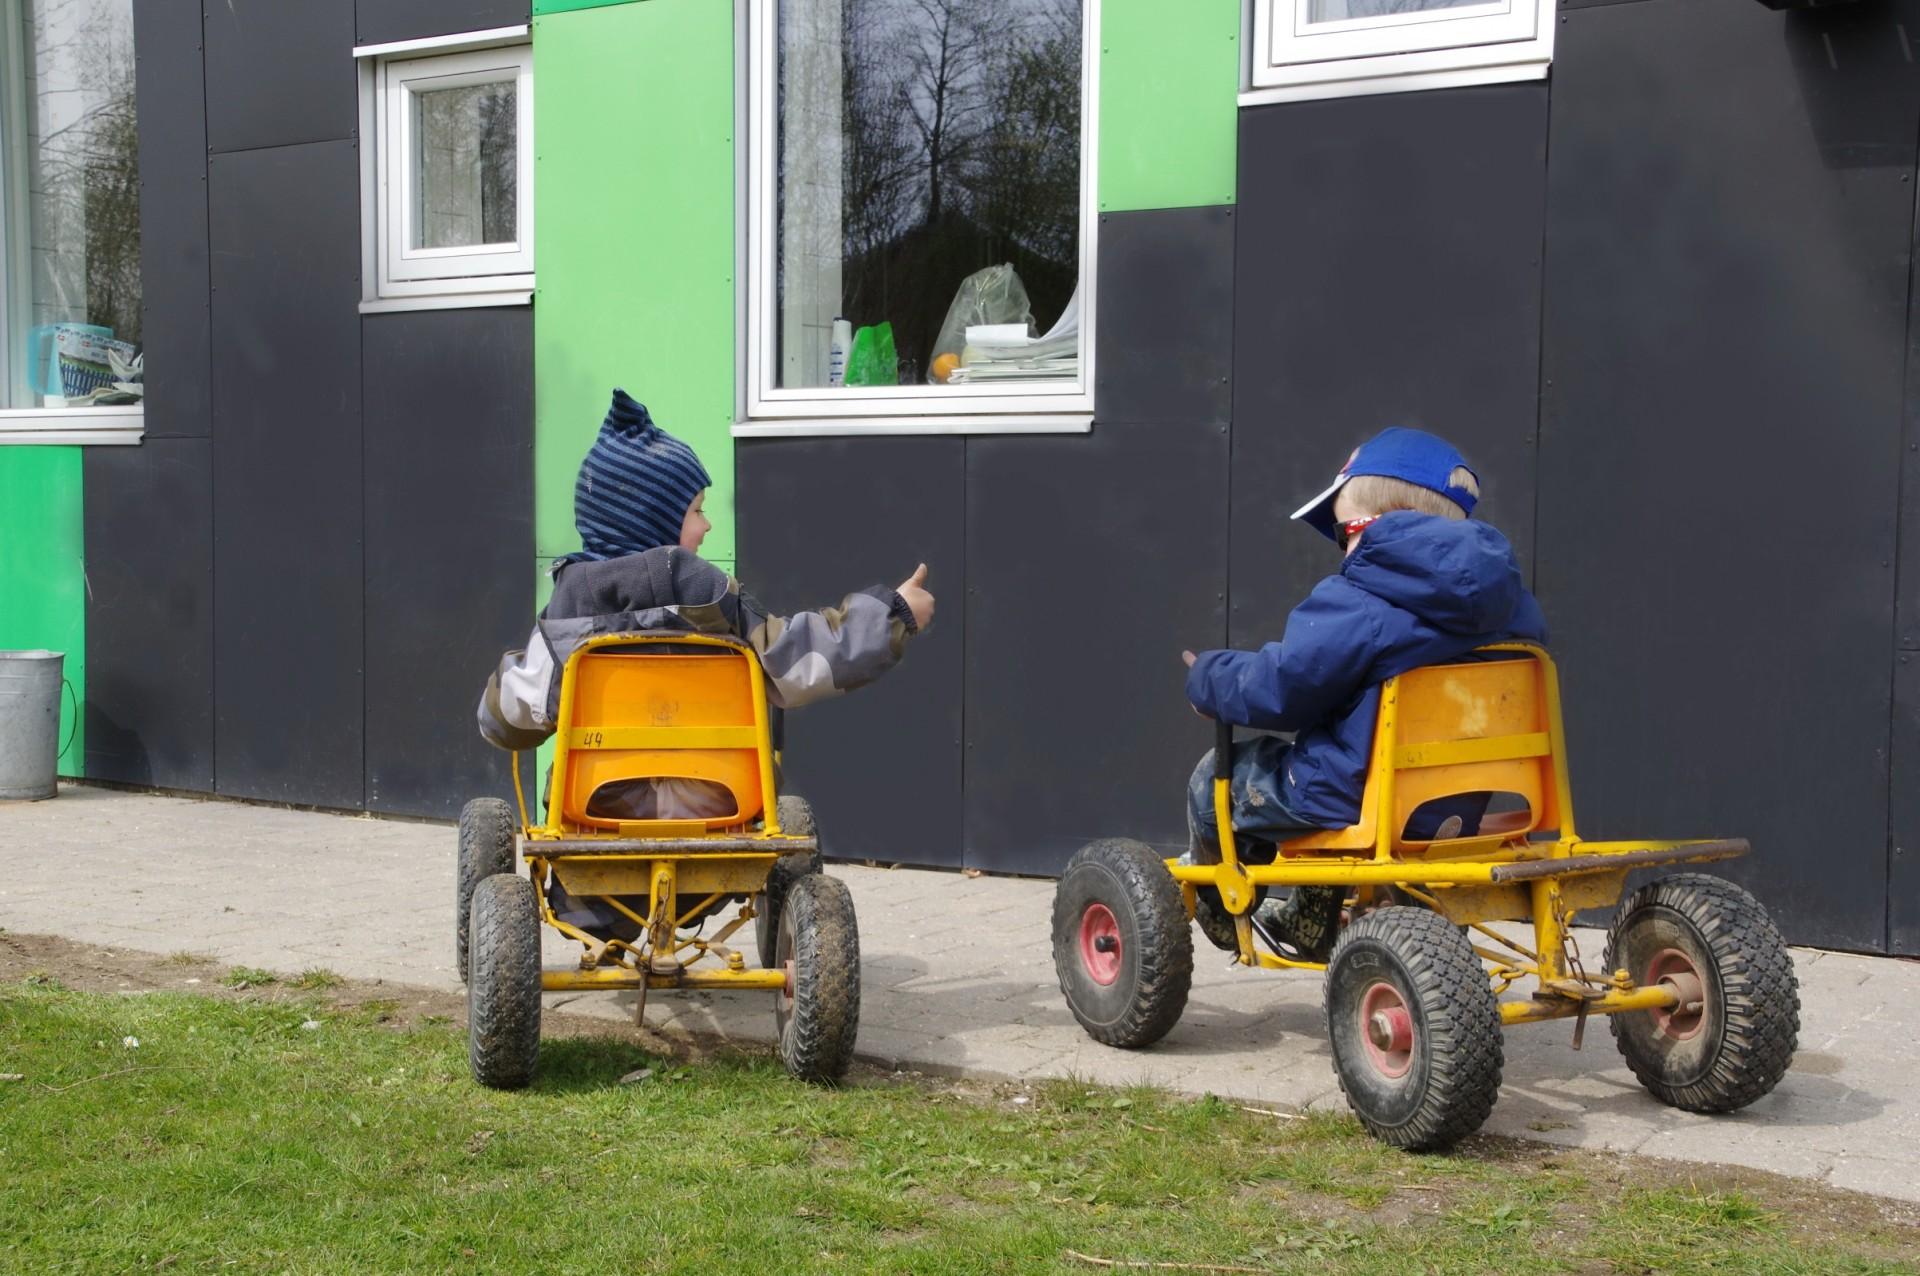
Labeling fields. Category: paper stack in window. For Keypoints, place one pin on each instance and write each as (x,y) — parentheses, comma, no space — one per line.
(1005,352)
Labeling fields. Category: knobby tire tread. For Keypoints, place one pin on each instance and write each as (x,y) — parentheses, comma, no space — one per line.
(825,1022)
(487,831)
(796,816)
(503,991)
(1760,994)
(1465,1048)
(1163,944)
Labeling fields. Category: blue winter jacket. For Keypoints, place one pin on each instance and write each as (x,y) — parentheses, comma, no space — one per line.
(1419,590)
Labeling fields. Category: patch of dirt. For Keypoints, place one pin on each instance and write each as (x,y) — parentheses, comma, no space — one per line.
(124,971)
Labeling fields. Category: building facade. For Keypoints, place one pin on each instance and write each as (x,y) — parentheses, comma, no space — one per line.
(1648,262)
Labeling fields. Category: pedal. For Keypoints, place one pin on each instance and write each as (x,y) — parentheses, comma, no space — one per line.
(661,964)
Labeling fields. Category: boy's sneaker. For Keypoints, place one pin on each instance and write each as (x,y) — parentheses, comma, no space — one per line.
(1304,924)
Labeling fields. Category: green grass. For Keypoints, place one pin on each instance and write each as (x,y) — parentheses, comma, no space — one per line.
(249,977)
(236,1137)
(316,978)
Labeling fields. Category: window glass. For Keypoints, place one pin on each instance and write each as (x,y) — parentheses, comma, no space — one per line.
(448,188)
(466,166)
(927,182)
(69,205)
(1346,10)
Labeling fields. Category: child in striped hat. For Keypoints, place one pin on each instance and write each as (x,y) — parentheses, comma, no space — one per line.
(638,488)
(637,505)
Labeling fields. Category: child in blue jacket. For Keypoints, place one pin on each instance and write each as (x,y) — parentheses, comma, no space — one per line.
(1421,584)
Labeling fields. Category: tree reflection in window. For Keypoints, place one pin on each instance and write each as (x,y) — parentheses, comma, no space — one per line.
(955,129)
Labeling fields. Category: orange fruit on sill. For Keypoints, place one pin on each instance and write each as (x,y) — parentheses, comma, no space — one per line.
(944,367)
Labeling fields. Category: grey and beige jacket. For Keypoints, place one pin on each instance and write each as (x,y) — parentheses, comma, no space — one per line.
(808,656)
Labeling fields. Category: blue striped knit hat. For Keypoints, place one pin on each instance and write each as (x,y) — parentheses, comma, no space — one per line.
(635,485)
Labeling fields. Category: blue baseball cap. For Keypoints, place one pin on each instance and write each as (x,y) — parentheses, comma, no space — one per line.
(1419,458)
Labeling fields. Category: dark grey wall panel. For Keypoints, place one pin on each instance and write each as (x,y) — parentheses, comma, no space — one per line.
(1092,560)
(149,539)
(1388,274)
(1903,870)
(1730,213)
(279,72)
(449,532)
(820,517)
(1907,630)
(173,217)
(1165,335)
(287,475)
(380,21)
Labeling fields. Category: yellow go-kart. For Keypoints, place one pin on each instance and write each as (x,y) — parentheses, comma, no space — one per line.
(1696,982)
(651,706)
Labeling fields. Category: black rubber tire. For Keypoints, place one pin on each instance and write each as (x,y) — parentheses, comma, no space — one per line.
(796,816)
(818,1024)
(1749,1025)
(1155,965)
(487,830)
(503,986)
(1453,1066)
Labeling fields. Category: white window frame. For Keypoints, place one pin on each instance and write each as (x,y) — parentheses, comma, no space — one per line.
(394,275)
(1489,43)
(1066,407)
(124,424)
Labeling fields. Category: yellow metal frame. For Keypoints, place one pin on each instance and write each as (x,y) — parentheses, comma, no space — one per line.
(682,858)
(1472,881)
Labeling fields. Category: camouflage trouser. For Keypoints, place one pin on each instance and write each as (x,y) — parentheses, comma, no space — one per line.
(1254,791)
(1308,918)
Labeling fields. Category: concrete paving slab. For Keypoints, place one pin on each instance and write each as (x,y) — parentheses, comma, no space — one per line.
(958,979)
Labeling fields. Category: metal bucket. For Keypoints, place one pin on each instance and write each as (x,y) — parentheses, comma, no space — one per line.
(30,685)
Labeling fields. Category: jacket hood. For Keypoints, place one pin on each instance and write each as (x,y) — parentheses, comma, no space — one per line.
(1458,575)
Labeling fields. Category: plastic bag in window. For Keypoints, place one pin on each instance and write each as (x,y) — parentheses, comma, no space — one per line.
(872,360)
(991,296)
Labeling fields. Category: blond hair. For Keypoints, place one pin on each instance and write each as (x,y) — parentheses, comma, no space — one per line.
(1377,494)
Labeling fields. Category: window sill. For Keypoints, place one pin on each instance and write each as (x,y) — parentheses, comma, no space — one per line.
(66,427)
(445,301)
(1050,423)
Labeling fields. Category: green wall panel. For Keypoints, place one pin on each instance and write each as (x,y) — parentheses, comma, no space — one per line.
(634,241)
(43,582)
(568,6)
(1169,88)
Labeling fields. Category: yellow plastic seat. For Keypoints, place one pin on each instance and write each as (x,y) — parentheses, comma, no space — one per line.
(637,714)
(1448,730)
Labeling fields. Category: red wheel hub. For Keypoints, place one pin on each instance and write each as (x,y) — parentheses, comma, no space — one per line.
(1386,1025)
(1675,971)
(1100,951)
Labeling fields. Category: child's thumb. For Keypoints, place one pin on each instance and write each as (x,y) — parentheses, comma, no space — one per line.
(919,577)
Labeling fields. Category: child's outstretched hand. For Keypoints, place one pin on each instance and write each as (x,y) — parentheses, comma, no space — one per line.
(913,591)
